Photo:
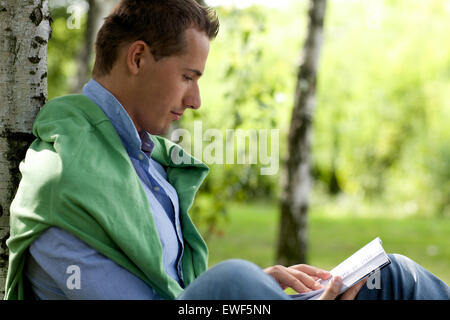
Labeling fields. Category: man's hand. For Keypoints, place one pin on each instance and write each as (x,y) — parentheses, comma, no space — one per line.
(301,277)
(332,291)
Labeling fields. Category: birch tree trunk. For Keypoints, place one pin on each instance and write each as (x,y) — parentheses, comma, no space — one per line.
(24,33)
(293,236)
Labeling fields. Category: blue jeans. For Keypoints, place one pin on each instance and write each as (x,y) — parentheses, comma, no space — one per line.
(238,279)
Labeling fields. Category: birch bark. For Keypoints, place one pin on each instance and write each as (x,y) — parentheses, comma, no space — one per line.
(24,34)
(293,234)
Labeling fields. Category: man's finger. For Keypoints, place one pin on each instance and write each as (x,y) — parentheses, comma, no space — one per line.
(306,279)
(332,291)
(285,278)
(288,280)
(312,271)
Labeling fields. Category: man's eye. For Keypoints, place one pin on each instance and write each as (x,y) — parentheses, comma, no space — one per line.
(187,78)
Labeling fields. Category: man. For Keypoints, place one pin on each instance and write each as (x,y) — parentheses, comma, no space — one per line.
(102,209)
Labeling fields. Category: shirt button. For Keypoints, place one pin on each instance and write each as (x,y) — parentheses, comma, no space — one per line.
(156,188)
(141,156)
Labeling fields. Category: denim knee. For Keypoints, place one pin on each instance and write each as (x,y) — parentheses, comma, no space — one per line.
(403,265)
(400,259)
(415,282)
(397,280)
(234,279)
(235,270)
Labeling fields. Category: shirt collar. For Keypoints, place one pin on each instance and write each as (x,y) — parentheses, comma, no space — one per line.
(133,141)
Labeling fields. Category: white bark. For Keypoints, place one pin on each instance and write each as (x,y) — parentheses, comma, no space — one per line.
(24,34)
(292,243)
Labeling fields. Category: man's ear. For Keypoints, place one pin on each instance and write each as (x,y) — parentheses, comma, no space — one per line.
(137,55)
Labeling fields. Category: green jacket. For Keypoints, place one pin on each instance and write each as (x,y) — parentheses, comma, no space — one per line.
(77,176)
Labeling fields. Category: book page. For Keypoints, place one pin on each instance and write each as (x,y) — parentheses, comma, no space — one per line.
(364,261)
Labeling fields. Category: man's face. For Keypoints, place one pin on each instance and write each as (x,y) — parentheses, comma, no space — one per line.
(169,86)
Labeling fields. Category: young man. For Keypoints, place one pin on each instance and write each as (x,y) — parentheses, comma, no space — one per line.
(102,210)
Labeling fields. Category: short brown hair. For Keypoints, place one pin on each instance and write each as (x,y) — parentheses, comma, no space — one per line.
(160,23)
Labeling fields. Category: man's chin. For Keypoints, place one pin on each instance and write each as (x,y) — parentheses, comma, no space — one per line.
(160,131)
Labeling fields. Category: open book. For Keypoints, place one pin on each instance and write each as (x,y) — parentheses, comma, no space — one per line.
(358,266)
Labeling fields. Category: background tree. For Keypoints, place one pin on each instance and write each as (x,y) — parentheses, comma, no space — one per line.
(292,245)
(24,33)
(97,12)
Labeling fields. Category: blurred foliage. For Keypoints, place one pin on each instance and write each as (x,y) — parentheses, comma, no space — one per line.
(384,89)
(63,48)
(381,133)
(245,94)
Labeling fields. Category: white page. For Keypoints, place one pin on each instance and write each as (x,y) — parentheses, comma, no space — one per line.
(364,261)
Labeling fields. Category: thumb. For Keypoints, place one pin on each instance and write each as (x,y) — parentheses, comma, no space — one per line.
(332,291)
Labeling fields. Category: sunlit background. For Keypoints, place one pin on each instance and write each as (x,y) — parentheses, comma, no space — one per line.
(380,151)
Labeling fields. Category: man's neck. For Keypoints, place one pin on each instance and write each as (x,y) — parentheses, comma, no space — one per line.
(119,89)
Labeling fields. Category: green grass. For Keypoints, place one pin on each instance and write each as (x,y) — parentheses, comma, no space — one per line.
(252,233)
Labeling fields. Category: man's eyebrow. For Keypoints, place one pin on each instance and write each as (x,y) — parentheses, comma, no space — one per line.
(197,72)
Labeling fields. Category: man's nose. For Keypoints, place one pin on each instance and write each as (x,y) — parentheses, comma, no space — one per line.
(192,98)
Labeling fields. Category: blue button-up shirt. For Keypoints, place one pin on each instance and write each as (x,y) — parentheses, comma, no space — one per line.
(56,250)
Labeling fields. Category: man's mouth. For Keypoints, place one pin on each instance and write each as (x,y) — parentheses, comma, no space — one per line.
(177,115)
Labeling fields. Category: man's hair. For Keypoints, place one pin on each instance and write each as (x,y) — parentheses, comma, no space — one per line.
(159,23)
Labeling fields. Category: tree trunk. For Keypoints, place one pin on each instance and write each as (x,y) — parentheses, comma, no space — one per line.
(98,11)
(24,34)
(334,186)
(292,244)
